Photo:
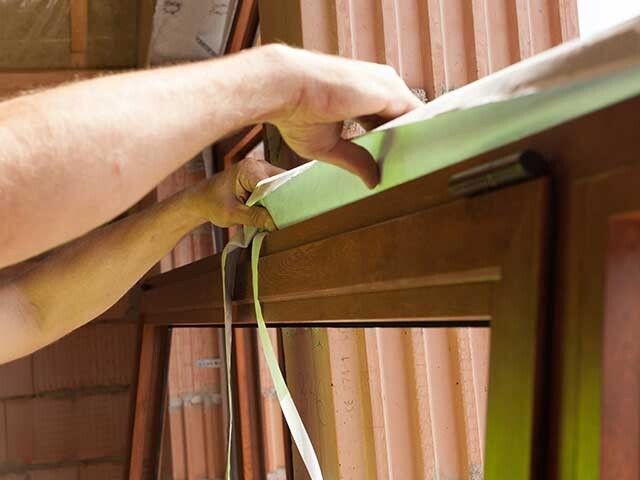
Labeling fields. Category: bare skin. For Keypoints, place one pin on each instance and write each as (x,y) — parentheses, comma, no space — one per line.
(74,157)
(83,279)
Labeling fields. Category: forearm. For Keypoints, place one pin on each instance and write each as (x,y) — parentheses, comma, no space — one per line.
(74,157)
(84,279)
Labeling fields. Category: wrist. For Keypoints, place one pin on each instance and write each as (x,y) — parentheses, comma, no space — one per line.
(187,206)
(279,87)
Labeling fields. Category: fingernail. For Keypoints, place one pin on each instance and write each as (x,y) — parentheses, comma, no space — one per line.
(374,181)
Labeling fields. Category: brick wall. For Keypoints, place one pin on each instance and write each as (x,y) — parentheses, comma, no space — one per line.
(66,410)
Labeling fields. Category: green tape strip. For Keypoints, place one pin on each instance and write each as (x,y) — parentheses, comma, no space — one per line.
(229,261)
(410,151)
(291,415)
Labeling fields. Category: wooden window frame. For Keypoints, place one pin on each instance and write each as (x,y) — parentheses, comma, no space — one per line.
(434,277)
(546,388)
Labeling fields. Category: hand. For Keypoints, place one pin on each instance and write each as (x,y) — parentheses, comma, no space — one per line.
(326,90)
(221,198)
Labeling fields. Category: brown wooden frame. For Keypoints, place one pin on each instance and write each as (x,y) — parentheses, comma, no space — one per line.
(552,394)
(401,271)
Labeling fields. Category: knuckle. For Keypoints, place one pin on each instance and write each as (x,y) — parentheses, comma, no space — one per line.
(257,216)
(389,70)
(225,218)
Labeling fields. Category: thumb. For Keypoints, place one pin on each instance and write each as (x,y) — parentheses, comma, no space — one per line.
(355,159)
(254,216)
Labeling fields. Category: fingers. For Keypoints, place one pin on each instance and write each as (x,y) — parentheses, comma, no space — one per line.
(397,108)
(253,170)
(355,159)
(400,99)
(254,216)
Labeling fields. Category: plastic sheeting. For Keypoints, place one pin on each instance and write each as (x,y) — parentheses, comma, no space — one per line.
(190,30)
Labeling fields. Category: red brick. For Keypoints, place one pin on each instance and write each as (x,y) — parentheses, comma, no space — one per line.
(181,362)
(97,471)
(53,429)
(3,433)
(68,473)
(16,378)
(204,345)
(19,425)
(194,434)
(14,476)
(103,471)
(98,354)
(178,446)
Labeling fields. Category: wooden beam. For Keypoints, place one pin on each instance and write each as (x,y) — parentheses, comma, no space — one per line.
(79,30)
(251,443)
(145,29)
(281,21)
(380,290)
(245,25)
(247,143)
(143,402)
(149,393)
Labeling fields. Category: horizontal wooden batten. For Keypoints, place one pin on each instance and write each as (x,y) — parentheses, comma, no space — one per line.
(437,305)
(378,279)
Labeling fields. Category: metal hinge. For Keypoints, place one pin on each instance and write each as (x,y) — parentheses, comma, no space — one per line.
(500,173)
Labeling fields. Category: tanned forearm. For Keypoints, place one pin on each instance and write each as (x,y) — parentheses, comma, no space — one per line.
(83,279)
(76,156)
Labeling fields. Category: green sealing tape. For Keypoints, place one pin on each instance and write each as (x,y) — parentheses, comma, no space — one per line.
(289,410)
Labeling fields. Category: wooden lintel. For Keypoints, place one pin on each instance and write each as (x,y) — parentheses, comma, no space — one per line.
(79,31)
(244,26)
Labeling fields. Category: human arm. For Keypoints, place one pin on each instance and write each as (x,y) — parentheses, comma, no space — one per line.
(74,157)
(83,279)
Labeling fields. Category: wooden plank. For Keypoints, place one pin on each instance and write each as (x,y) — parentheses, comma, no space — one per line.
(594,376)
(620,357)
(245,25)
(147,419)
(145,28)
(515,427)
(244,145)
(249,414)
(143,401)
(280,21)
(375,264)
(453,305)
(79,28)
